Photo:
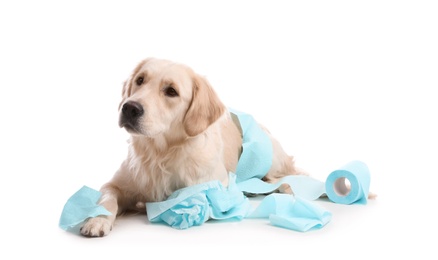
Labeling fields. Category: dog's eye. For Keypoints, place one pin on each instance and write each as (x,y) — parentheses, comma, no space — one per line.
(170,92)
(139,81)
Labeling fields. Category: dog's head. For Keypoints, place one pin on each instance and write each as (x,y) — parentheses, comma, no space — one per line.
(162,97)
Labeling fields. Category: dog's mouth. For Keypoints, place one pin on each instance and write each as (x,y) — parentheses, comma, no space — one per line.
(130,127)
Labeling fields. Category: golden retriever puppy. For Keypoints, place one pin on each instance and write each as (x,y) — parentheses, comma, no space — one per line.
(181,135)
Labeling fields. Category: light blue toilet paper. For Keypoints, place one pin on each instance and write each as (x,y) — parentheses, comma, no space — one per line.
(295,212)
(335,187)
(286,211)
(358,175)
(80,206)
(256,158)
(194,205)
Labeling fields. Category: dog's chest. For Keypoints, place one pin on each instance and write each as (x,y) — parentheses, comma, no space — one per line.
(156,177)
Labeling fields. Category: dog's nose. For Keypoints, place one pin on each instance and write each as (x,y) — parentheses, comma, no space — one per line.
(132,110)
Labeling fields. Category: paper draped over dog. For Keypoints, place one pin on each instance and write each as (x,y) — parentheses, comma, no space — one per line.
(256,157)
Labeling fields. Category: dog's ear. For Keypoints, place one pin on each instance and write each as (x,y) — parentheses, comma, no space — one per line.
(204,109)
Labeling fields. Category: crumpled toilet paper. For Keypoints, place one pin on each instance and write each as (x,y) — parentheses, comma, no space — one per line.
(194,205)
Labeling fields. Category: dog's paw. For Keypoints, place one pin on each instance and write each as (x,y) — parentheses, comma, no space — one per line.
(96,227)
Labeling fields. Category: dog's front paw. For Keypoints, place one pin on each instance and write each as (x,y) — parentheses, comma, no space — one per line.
(96,227)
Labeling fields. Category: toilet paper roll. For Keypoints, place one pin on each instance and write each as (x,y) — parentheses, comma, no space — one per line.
(358,176)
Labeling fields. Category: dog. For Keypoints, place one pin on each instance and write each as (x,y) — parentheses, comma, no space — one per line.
(181,134)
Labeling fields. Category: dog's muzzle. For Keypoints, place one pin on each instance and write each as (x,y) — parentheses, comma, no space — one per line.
(130,115)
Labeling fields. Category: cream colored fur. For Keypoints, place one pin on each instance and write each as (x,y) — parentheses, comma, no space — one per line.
(178,141)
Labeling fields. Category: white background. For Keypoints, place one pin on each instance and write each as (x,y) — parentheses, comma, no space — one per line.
(333,80)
